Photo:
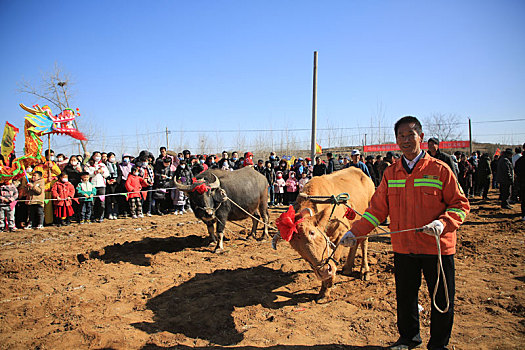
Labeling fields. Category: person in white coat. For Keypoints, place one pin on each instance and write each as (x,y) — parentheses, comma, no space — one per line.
(98,173)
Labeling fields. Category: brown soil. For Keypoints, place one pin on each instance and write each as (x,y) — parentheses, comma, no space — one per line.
(154,283)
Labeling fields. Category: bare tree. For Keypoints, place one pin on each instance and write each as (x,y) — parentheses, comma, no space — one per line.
(54,88)
(445,127)
(377,125)
(240,141)
(202,143)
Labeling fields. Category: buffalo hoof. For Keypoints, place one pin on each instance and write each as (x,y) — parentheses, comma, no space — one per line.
(366,276)
(348,272)
(323,299)
(218,250)
(263,238)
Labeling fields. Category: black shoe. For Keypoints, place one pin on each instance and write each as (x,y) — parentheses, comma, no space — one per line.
(401,344)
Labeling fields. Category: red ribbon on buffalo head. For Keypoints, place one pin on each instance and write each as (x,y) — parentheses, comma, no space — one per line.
(200,188)
(287,225)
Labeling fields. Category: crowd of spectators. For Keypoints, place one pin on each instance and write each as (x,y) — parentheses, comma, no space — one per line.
(85,189)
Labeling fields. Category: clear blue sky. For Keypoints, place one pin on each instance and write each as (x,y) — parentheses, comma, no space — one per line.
(142,66)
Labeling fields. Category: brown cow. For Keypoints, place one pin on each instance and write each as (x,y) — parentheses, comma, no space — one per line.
(314,231)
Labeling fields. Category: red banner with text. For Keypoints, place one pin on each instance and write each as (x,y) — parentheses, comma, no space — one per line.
(424,145)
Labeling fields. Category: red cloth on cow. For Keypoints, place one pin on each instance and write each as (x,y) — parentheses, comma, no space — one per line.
(287,225)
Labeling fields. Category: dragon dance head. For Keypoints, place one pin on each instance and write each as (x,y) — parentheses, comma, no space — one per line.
(43,122)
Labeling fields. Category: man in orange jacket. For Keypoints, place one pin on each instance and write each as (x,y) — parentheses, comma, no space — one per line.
(418,192)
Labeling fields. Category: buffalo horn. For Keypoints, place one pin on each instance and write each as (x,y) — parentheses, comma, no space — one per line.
(275,238)
(216,183)
(184,188)
(306,209)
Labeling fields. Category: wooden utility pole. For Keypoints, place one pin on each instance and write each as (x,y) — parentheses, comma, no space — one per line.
(167,140)
(470,135)
(314,110)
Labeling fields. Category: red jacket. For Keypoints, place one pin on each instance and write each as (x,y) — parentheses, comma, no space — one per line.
(413,200)
(63,190)
(134,184)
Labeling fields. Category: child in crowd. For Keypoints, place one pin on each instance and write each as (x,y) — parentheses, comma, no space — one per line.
(8,196)
(63,190)
(36,192)
(291,188)
(303,181)
(124,169)
(179,200)
(134,184)
(111,187)
(62,161)
(279,188)
(86,190)
(98,172)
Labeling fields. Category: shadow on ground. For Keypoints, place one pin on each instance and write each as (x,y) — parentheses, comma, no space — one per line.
(276,347)
(202,307)
(135,252)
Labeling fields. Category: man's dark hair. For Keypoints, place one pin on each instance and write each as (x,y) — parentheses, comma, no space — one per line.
(162,148)
(408,120)
(517,150)
(46,153)
(329,154)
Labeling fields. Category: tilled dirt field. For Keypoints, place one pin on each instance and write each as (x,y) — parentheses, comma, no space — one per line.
(154,283)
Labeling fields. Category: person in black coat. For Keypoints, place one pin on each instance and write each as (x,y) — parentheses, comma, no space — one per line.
(283,167)
(371,169)
(319,167)
(505,178)
(183,173)
(196,166)
(519,168)
(274,160)
(483,175)
(433,150)
(269,173)
(494,169)
(332,164)
(163,180)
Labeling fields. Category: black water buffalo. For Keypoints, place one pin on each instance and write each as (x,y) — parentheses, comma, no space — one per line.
(209,195)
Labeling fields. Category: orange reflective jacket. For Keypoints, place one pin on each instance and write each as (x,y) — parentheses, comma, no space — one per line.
(413,200)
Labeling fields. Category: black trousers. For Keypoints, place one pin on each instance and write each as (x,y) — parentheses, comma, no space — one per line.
(99,206)
(36,215)
(484,185)
(504,193)
(407,270)
(522,198)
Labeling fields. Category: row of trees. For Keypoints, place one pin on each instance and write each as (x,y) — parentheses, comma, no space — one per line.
(56,89)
